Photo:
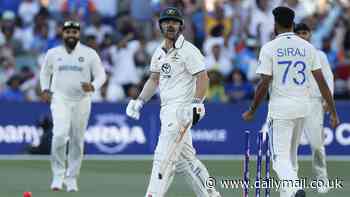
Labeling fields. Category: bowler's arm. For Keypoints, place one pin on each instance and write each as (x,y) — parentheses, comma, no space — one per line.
(327,95)
(260,92)
(324,89)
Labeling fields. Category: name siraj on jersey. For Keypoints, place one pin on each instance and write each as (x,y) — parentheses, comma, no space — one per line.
(281,52)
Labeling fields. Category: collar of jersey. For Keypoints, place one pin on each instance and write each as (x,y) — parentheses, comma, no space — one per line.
(179,42)
(286,34)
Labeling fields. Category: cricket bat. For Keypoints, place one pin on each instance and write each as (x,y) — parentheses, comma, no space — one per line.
(171,154)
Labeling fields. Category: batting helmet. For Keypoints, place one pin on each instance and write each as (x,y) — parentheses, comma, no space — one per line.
(171,13)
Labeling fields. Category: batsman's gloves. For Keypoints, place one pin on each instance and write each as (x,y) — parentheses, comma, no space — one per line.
(133,108)
(198,110)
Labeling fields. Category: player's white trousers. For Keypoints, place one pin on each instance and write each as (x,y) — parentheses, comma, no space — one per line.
(184,163)
(284,141)
(315,135)
(70,120)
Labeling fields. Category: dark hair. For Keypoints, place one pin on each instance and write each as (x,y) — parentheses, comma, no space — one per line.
(217,30)
(236,70)
(284,16)
(301,27)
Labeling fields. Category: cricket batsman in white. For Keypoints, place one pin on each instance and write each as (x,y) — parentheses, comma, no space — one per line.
(177,67)
(286,65)
(314,122)
(70,74)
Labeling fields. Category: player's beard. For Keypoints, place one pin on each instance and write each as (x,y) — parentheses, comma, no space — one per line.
(171,34)
(71,42)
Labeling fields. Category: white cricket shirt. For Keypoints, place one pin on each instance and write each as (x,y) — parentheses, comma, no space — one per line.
(68,71)
(177,68)
(289,60)
(327,73)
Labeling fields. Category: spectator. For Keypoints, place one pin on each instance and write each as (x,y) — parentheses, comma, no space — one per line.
(91,41)
(218,58)
(29,84)
(109,92)
(219,17)
(142,58)
(57,38)
(238,27)
(13,92)
(7,70)
(323,26)
(9,5)
(198,21)
(299,8)
(330,52)
(27,10)
(238,88)
(217,32)
(132,91)
(246,60)
(141,12)
(98,29)
(11,33)
(105,46)
(156,40)
(238,12)
(78,9)
(216,91)
(124,69)
(39,44)
(261,21)
(107,8)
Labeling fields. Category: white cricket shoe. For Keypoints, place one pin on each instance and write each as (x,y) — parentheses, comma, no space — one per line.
(56,184)
(71,184)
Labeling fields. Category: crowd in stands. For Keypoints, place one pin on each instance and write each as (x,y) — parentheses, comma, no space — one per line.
(125,33)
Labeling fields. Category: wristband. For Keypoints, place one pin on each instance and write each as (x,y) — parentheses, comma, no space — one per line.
(196,100)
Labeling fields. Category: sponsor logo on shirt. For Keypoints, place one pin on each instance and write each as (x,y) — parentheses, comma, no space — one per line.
(81,59)
(166,68)
(70,68)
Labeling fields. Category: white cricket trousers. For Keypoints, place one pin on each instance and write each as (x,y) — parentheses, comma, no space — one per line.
(70,120)
(284,141)
(185,162)
(315,135)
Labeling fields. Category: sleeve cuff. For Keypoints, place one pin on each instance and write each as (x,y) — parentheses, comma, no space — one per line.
(197,72)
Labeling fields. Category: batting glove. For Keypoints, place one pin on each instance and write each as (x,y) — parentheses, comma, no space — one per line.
(198,111)
(133,108)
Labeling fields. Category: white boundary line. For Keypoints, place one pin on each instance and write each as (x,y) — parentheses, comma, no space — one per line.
(150,157)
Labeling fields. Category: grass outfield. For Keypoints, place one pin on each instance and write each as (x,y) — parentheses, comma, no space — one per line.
(130,178)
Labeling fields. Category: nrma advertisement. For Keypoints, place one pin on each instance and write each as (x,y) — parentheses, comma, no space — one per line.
(110,131)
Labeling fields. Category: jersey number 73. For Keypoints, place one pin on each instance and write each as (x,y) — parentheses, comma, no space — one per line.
(300,66)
